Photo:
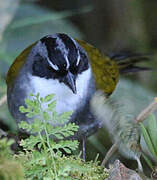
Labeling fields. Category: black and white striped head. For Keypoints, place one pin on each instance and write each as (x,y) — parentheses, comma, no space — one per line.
(59,57)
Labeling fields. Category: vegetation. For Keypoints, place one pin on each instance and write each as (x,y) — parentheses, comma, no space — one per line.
(149,133)
(123,25)
(42,156)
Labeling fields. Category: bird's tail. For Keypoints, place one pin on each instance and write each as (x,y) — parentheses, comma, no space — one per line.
(127,62)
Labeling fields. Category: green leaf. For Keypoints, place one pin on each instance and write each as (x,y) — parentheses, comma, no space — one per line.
(25,125)
(29,102)
(67,150)
(48,98)
(52,105)
(32,95)
(30,142)
(152,130)
(63,131)
(147,161)
(37,96)
(54,116)
(37,126)
(59,136)
(30,114)
(22,109)
(68,145)
(65,116)
(46,116)
(147,139)
(41,99)
(36,110)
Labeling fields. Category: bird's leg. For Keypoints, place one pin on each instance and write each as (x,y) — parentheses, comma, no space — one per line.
(84,148)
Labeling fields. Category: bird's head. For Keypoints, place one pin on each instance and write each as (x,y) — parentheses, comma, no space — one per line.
(61,58)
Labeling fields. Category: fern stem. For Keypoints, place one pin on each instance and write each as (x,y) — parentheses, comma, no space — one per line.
(42,140)
(47,138)
(51,151)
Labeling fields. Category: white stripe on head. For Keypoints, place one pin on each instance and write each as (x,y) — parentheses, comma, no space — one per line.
(78,52)
(54,66)
(43,50)
(60,46)
(78,59)
(67,61)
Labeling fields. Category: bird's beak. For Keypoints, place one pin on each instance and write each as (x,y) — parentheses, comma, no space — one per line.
(69,80)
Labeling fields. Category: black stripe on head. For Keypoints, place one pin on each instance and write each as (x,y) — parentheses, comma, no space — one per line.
(72,49)
(55,54)
(66,54)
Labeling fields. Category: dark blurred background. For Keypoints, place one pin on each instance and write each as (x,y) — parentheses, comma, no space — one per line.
(110,25)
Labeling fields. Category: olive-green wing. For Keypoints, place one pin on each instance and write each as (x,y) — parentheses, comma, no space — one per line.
(17,65)
(105,70)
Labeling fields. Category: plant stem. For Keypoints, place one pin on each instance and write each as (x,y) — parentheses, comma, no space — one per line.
(111,151)
(51,151)
(149,109)
(42,140)
(47,138)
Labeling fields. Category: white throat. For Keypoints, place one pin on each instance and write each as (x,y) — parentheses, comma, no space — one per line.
(66,99)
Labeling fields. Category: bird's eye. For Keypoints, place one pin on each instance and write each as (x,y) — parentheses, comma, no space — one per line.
(74,69)
(62,73)
(83,56)
(57,73)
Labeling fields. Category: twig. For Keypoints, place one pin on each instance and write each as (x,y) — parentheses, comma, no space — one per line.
(111,151)
(3,99)
(144,113)
(149,109)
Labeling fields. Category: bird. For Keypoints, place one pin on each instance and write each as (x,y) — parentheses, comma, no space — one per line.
(71,69)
